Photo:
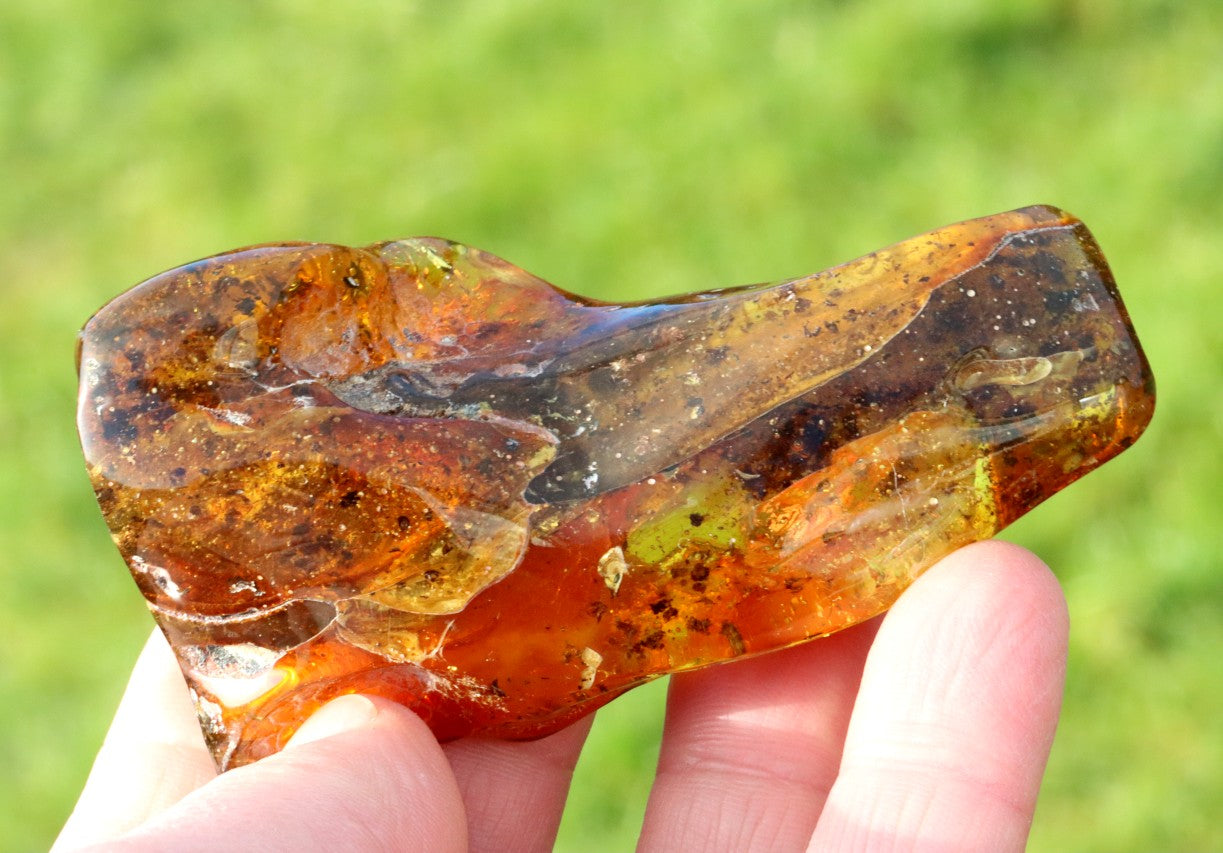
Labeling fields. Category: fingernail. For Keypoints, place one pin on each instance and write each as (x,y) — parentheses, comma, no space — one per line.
(336,717)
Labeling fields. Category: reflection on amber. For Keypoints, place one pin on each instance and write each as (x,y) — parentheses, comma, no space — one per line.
(417,471)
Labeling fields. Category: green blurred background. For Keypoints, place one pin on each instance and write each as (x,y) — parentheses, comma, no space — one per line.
(630,150)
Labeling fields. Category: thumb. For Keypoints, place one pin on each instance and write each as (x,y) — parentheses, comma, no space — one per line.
(361,774)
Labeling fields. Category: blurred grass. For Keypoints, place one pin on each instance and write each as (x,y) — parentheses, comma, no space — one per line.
(626,151)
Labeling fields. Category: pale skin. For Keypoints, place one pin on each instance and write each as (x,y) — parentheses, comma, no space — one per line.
(928,729)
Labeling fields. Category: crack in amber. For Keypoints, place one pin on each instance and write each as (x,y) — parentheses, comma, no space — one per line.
(416,471)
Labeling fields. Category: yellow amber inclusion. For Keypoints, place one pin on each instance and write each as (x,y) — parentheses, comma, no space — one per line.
(416,471)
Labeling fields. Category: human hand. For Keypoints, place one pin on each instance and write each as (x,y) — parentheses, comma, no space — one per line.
(928,729)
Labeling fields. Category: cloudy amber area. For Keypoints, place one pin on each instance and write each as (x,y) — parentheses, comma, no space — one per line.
(415,470)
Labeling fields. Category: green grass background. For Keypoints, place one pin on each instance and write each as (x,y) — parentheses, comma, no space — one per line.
(628,150)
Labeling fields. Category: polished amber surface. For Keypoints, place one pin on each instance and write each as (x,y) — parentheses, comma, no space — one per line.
(417,471)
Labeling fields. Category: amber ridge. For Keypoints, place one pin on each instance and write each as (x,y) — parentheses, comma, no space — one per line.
(417,471)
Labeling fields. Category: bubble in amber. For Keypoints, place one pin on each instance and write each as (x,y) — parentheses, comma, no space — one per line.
(416,471)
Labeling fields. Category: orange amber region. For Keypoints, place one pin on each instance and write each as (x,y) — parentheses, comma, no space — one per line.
(417,471)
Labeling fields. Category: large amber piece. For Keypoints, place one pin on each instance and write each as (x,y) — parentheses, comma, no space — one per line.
(417,471)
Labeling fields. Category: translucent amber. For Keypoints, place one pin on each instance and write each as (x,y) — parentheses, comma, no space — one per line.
(417,471)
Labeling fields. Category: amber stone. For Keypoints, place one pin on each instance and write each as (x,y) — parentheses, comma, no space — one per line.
(416,471)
